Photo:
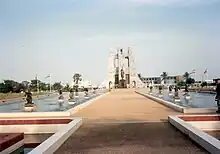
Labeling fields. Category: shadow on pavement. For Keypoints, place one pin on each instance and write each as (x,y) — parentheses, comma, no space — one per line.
(152,137)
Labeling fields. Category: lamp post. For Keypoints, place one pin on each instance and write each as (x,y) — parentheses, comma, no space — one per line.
(49,76)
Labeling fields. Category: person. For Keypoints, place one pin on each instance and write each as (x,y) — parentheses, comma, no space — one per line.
(217,97)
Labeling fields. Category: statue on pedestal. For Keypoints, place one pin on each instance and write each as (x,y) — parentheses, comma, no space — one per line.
(60,98)
(160,91)
(29,106)
(28,95)
(187,96)
(151,89)
(76,92)
(71,96)
(94,90)
(176,94)
(170,90)
(86,92)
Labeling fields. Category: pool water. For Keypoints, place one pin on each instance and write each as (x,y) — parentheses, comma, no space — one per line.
(23,150)
(197,100)
(47,104)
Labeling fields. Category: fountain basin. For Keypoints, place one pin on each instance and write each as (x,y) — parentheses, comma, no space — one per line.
(178,107)
(29,107)
(10,142)
(61,128)
(194,126)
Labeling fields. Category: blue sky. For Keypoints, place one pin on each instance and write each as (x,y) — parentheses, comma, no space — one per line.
(63,37)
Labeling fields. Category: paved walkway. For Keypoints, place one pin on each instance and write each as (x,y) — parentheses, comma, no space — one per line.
(125,104)
(106,128)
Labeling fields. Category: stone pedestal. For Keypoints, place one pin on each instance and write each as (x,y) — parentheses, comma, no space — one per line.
(29,107)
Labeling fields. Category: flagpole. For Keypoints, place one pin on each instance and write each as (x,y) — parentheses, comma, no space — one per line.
(37,85)
(50,83)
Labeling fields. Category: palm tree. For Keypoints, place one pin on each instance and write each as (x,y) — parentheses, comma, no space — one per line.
(77,78)
(164,76)
(186,75)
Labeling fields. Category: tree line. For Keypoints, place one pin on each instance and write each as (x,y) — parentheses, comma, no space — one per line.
(34,85)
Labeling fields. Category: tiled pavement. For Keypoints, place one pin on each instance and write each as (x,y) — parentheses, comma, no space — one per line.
(105,129)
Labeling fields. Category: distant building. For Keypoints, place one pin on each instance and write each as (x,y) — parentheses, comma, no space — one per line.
(153,80)
(216,80)
(179,78)
(170,80)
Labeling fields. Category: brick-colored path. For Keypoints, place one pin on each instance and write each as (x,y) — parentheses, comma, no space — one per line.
(125,105)
(104,129)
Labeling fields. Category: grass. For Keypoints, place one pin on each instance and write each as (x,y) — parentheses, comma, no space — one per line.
(17,95)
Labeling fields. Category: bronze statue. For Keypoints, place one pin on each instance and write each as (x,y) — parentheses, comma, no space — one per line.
(170,88)
(176,94)
(122,73)
(61,95)
(71,95)
(86,92)
(151,89)
(28,95)
(160,89)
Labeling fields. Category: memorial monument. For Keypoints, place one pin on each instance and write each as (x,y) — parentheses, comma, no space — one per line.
(121,70)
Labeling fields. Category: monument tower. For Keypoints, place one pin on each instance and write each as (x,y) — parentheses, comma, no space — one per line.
(121,70)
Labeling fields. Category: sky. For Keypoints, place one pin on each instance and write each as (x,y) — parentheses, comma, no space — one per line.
(62,37)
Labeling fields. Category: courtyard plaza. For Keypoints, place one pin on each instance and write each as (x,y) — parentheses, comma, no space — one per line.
(125,122)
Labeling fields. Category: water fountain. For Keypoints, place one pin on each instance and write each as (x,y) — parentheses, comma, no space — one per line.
(86,93)
(29,106)
(94,91)
(151,90)
(186,95)
(170,90)
(71,97)
(160,91)
(76,93)
(176,95)
(60,98)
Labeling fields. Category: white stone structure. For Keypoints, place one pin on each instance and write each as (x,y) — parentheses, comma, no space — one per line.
(121,70)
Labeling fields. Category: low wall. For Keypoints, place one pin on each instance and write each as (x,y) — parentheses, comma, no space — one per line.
(34,114)
(208,142)
(163,102)
(32,126)
(11,142)
(55,141)
(203,122)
